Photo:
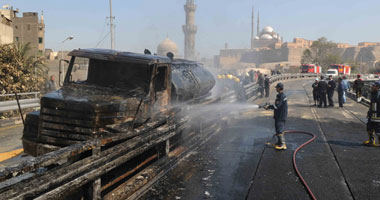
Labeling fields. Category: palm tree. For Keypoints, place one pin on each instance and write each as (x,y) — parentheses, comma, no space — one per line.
(20,71)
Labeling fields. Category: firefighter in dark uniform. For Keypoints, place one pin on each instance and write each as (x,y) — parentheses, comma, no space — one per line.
(322,87)
(261,84)
(358,85)
(315,92)
(266,84)
(330,91)
(373,124)
(280,108)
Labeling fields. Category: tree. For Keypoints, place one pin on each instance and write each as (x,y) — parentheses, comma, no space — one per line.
(18,71)
(307,57)
(323,53)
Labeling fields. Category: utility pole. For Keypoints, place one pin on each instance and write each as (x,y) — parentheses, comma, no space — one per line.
(112,26)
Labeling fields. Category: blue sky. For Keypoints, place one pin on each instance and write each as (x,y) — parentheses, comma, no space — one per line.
(143,24)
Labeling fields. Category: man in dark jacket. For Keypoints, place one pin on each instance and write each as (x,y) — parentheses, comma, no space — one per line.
(373,115)
(322,86)
(260,81)
(340,92)
(266,84)
(330,91)
(50,85)
(251,74)
(280,108)
(315,92)
(358,85)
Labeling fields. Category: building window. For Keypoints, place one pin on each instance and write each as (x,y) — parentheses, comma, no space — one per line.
(40,28)
(16,27)
(17,39)
(40,40)
(28,27)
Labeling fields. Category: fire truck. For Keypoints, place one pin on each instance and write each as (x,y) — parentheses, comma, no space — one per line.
(310,68)
(342,69)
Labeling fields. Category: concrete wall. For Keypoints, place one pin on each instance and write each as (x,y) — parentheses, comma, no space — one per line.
(235,58)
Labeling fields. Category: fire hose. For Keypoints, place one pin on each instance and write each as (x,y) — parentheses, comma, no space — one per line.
(312,196)
(295,162)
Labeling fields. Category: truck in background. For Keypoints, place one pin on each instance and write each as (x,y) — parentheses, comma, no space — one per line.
(311,68)
(342,69)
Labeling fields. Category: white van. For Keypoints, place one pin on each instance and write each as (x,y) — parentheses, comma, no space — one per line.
(332,72)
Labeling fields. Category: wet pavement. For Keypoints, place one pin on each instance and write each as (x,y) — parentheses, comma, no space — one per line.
(10,138)
(10,144)
(236,163)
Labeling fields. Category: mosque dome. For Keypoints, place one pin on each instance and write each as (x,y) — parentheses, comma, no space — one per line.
(267,29)
(266,37)
(257,38)
(167,46)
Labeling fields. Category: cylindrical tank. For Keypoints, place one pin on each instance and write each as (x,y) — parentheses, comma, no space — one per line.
(190,80)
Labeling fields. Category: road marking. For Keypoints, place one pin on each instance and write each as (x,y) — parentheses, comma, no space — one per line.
(10,154)
(10,127)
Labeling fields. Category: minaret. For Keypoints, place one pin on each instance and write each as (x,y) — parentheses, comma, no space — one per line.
(190,29)
(258,23)
(252,27)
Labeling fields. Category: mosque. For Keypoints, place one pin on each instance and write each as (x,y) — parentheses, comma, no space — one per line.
(267,48)
(167,46)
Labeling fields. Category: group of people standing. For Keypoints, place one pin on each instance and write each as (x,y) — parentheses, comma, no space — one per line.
(264,83)
(323,91)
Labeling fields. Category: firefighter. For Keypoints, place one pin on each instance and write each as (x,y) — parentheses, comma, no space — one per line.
(239,90)
(266,84)
(322,87)
(340,92)
(280,108)
(330,91)
(373,115)
(316,92)
(260,80)
(358,85)
(251,75)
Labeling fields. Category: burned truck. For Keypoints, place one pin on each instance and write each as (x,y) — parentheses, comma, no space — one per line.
(103,88)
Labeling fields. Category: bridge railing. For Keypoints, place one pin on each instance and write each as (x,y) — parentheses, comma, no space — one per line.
(27,100)
(82,166)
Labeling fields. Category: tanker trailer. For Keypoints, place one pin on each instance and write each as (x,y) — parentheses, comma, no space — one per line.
(106,88)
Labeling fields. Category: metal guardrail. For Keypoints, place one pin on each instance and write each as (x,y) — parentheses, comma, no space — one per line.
(10,105)
(82,165)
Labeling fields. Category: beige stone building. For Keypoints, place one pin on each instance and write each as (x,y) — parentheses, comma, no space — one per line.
(30,29)
(6,29)
(26,29)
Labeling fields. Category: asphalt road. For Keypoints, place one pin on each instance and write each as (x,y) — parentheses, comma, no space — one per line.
(236,163)
(10,138)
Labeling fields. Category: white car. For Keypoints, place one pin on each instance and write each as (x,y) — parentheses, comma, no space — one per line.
(332,72)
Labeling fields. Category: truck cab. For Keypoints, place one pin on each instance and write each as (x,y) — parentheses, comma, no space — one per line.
(103,88)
